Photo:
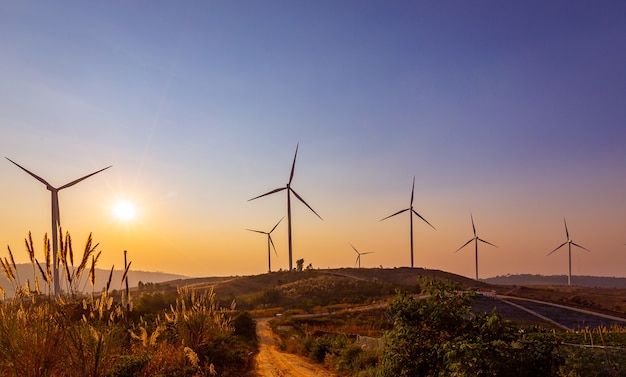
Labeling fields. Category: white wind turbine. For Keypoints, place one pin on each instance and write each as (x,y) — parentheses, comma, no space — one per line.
(56,220)
(269,242)
(358,258)
(289,192)
(475,239)
(569,244)
(411,212)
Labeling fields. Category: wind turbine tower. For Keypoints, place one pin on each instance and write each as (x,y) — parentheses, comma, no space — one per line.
(290,191)
(411,213)
(475,239)
(569,244)
(56,219)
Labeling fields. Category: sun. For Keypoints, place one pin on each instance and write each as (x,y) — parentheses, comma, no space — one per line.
(124,210)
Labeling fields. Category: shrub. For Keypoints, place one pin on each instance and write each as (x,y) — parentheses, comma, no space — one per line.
(438,335)
(244,326)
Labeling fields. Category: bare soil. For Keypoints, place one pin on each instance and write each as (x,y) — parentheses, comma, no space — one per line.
(271,362)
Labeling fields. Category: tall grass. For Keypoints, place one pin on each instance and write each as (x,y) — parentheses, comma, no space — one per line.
(96,335)
(41,335)
(72,275)
(197,318)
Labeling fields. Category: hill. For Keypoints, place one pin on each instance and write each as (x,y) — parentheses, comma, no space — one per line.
(356,286)
(313,288)
(305,289)
(403,277)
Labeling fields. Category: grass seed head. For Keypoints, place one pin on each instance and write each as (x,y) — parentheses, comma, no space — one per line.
(29,247)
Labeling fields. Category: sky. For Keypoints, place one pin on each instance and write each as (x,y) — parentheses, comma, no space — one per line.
(514,112)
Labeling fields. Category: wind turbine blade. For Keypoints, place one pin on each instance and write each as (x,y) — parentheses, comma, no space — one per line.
(367,252)
(412,190)
(305,203)
(293,166)
(268,193)
(397,213)
(465,244)
(560,246)
(473,227)
(420,216)
(82,179)
(584,248)
(32,174)
(357,260)
(272,242)
(566,232)
(281,219)
(354,248)
(258,231)
(487,242)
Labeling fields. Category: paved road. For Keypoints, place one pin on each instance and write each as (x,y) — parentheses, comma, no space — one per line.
(566,316)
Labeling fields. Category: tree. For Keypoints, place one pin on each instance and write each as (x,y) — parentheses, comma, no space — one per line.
(299,264)
(440,336)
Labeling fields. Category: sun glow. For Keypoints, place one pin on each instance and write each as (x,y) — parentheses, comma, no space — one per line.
(124,210)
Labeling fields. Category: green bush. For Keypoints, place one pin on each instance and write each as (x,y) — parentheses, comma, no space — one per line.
(245,326)
(439,335)
(319,348)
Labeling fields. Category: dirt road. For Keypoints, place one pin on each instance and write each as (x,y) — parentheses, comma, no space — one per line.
(271,362)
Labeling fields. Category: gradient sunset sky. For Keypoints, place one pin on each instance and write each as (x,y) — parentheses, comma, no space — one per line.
(513,111)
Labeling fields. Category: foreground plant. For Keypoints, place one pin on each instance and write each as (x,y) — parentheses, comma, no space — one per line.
(194,338)
(197,318)
(72,275)
(41,335)
(28,333)
(439,335)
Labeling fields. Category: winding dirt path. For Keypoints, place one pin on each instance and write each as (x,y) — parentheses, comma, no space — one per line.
(271,362)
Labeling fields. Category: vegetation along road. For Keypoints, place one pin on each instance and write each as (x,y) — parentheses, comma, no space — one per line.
(271,362)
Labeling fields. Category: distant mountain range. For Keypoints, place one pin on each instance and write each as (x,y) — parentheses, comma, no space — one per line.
(25,272)
(583,281)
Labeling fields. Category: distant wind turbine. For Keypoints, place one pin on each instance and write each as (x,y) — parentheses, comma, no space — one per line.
(289,192)
(411,212)
(569,244)
(269,242)
(358,258)
(56,219)
(475,239)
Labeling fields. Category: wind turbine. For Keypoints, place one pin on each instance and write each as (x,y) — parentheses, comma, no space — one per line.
(358,258)
(475,239)
(411,212)
(56,220)
(289,192)
(569,244)
(269,242)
